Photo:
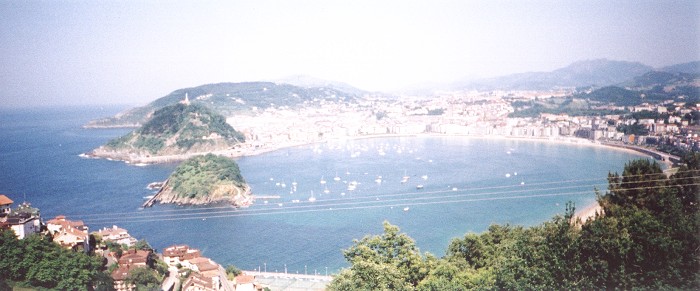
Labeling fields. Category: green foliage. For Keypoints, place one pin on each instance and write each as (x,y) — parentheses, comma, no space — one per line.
(636,129)
(143,245)
(557,105)
(40,263)
(646,114)
(232,271)
(387,262)
(616,95)
(648,238)
(198,176)
(144,279)
(189,125)
(152,144)
(232,98)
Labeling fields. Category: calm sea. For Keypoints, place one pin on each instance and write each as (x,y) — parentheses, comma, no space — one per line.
(466,185)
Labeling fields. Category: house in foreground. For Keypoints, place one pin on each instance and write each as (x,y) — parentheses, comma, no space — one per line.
(206,274)
(130,260)
(69,234)
(23,220)
(116,235)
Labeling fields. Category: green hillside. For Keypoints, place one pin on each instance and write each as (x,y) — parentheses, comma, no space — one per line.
(204,175)
(233,98)
(178,129)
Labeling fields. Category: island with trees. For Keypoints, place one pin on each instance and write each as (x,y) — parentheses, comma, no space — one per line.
(174,132)
(206,179)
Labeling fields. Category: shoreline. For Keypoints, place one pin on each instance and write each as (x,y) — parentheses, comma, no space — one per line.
(588,212)
(245,152)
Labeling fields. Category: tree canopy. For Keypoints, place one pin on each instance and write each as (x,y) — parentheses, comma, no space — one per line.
(647,238)
(36,261)
(199,176)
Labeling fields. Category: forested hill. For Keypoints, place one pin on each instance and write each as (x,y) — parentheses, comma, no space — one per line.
(600,72)
(652,87)
(206,179)
(231,98)
(172,130)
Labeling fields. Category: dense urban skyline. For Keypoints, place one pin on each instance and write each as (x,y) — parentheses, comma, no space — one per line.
(132,52)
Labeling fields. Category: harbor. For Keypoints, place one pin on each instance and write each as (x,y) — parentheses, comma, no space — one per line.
(290,281)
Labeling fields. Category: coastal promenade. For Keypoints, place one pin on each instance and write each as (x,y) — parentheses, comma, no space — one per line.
(289,281)
(661,156)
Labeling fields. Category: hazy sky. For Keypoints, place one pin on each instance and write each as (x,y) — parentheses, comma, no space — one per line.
(80,52)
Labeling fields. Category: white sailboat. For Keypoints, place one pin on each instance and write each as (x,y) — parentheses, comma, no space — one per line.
(352,186)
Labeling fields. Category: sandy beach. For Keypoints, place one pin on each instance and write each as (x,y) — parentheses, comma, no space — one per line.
(588,212)
(251,151)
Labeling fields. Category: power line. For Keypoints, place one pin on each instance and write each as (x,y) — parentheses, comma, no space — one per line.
(384,196)
(345,201)
(342,206)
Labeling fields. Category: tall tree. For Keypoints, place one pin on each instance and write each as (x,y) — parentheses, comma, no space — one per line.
(392,259)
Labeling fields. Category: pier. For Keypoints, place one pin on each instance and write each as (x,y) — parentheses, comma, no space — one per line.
(289,281)
(266,196)
(153,199)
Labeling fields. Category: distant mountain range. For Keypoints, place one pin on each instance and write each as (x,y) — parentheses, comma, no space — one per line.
(600,72)
(589,73)
(688,68)
(235,98)
(305,81)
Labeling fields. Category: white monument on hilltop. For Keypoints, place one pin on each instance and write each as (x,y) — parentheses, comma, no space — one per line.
(186,101)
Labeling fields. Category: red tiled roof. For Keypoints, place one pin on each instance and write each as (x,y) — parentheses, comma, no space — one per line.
(4,200)
(132,257)
(204,264)
(245,279)
(114,230)
(120,273)
(198,280)
(183,252)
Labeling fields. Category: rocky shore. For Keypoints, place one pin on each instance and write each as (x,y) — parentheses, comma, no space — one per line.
(144,159)
(228,194)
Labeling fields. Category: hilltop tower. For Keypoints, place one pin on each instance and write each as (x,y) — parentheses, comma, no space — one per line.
(187,100)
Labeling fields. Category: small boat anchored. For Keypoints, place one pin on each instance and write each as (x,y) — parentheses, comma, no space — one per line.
(405,177)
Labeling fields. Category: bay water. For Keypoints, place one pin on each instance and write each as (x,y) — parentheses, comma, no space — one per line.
(315,199)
